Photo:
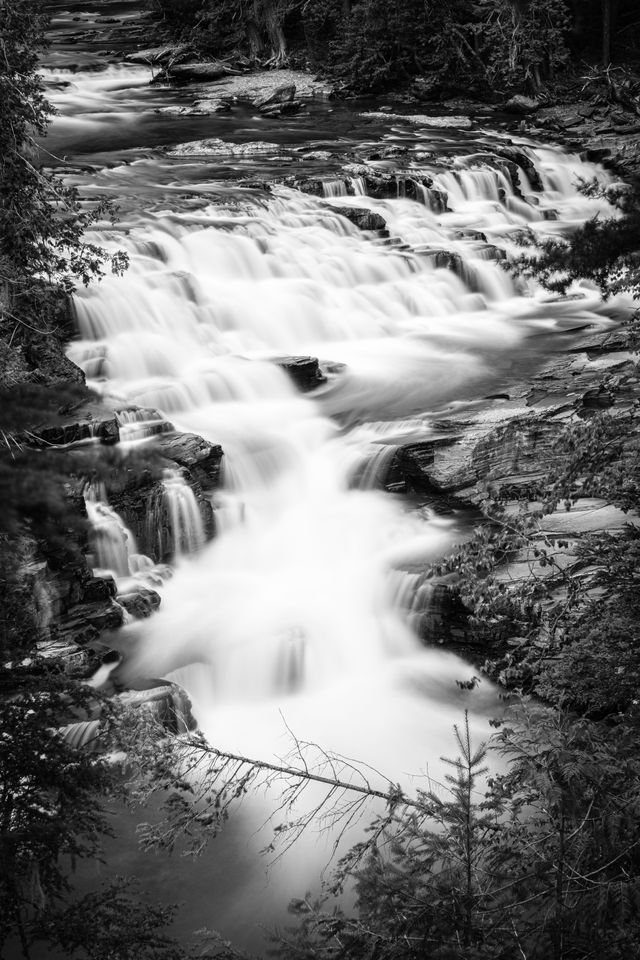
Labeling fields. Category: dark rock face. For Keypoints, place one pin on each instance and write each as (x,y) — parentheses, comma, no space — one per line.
(138,496)
(99,590)
(202,460)
(140,603)
(523,161)
(101,426)
(304,371)
(481,460)
(441,616)
(363,219)
(98,616)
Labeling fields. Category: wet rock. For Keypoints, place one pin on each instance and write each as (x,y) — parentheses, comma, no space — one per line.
(281,95)
(140,603)
(99,590)
(95,425)
(314,187)
(304,371)
(210,106)
(85,621)
(281,110)
(421,119)
(203,460)
(521,105)
(363,219)
(520,158)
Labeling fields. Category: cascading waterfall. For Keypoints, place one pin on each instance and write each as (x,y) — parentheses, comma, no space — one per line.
(185,520)
(297,578)
(112,542)
(114,550)
(300,611)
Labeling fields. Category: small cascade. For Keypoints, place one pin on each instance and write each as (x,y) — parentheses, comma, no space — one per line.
(113,546)
(358,186)
(334,188)
(184,520)
(374,466)
(112,543)
(402,587)
(139,424)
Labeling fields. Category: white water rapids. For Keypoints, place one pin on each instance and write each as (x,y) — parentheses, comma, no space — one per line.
(291,615)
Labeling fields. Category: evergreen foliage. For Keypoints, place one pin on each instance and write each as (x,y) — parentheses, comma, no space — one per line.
(543,865)
(604,251)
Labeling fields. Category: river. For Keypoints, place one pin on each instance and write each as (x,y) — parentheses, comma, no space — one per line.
(296,616)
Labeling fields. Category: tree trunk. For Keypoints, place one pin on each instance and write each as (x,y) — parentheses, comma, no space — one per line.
(273,20)
(606,32)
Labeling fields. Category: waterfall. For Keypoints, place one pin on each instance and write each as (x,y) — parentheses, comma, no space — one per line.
(299,613)
(185,521)
(112,543)
(113,546)
(295,584)
(335,188)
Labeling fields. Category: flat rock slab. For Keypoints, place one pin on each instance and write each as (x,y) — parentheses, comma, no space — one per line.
(588,515)
(214,147)
(420,119)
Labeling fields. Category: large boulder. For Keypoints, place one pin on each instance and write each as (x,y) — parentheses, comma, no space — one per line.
(304,371)
(363,219)
(281,95)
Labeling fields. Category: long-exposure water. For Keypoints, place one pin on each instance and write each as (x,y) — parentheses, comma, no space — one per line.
(291,618)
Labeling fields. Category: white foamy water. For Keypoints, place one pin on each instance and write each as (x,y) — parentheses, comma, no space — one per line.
(291,599)
(298,613)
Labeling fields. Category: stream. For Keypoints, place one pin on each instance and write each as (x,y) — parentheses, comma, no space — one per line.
(296,617)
